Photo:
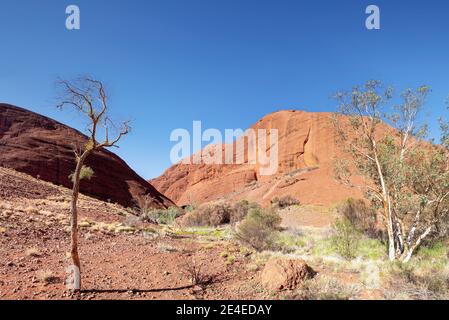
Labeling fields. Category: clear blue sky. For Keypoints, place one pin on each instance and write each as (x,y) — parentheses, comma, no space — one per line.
(224,62)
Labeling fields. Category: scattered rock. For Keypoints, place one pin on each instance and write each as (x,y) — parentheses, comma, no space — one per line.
(283,274)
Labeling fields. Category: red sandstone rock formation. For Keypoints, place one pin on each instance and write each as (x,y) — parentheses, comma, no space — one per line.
(307,150)
(43,148)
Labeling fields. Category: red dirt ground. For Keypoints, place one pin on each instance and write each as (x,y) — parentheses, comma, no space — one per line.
(115,265)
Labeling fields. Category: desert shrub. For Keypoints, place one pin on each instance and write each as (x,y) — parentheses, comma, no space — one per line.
(161,216)
(86,173)
(241,209)
(325,288)
(361,216)
(259,229)
(144,204)
(31,210)
(168,216)
(218,213)
(284,202)
(346,238)
(197,277)
(208,214)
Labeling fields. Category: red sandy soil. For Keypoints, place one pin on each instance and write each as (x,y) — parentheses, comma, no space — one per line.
(34,239)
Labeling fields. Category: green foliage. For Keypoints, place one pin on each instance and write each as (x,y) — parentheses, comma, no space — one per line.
(437,251)
(288,242)
(162,216)
(190,207)
(346,238)
(265,217)
(86,173)
(406,178)
(259,229)
(371,249)
(241,209)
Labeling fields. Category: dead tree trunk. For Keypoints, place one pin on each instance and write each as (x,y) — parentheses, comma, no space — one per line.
(88,97)
(76,268)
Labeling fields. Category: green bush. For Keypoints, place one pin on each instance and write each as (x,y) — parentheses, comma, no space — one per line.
(161,216)
(259,229)
(265,217)
(241,209)
(346,238)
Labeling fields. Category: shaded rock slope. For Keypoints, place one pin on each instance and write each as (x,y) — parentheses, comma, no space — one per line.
(43,148)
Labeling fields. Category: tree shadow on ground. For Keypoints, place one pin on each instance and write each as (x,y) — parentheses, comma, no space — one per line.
(136,290)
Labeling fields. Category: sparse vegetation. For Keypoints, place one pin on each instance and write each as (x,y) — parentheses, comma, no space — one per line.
(241,209)
(197,277)
(258,230)
(87,96)
(407,177)
(218,213)
(31,210)
(210,214)
(284,202)
(161,216)
(289,241)
(346,238)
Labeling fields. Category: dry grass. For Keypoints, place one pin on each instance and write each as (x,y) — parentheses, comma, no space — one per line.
(408,282)
(324,288)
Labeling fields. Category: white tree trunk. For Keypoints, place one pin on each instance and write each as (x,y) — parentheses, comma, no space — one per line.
(408,254)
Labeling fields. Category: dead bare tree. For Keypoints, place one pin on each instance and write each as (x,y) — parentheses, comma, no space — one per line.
(87,96)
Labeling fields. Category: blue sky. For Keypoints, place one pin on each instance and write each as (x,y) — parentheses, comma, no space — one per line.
(224,62)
